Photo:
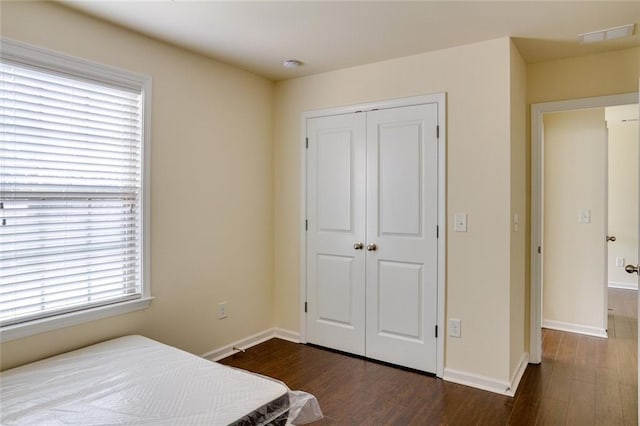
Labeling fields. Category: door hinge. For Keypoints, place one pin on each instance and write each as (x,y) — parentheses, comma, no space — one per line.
(305,307)
(539,250)
(438,231)
(438,131)
(306,225)
(436,331)
(306,143)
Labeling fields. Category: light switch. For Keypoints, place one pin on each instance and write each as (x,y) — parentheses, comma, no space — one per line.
(584,216)
(619,262)
(460,222)
(455,327)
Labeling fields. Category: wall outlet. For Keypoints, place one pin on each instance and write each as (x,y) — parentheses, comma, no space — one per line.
(222,310)
(455,327)
(620,262)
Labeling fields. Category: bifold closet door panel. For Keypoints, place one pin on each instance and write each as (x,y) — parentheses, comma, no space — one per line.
(401,277)
(336,226)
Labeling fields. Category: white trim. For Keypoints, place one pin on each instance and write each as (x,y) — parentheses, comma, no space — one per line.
(146,187)
(487,383)
(623,286)
(247,342)
(303,229)
(537,110)
(43,325)
(477,381)
(440,99)
(575,328)
(288,335)
(442,227)
(517,375)
(26,54)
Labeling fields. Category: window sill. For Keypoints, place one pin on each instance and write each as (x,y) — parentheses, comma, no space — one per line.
(18,331)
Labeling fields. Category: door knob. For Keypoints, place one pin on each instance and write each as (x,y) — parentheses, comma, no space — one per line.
(358,246)
(371,247)
(631,269)
(611,238)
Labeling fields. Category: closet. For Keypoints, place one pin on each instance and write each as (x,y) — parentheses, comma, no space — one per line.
(371,232)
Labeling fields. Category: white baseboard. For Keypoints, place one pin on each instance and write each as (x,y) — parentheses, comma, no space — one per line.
(487,383)
(624,286)
(575,328)
(291,336)
(247,342)
(477,381)
(517,375)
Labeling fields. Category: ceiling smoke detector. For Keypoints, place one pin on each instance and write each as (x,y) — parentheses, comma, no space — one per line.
(608,34)
(292,63)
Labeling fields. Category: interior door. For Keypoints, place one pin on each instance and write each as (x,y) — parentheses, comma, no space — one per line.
(402,252)
(336,231)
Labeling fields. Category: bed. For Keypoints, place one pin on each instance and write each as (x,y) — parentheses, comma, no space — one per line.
(136,380)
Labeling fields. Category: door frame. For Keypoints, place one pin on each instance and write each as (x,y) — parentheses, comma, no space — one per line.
(537,133)
(440,99)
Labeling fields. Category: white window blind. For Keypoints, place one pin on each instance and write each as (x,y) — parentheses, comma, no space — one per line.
(70,193)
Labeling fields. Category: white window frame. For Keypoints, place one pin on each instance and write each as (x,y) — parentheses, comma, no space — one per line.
(58,63)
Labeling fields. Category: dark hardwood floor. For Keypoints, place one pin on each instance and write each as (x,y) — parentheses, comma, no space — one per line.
(582,381)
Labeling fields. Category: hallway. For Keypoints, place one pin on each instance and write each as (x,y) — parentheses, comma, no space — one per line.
(588,380)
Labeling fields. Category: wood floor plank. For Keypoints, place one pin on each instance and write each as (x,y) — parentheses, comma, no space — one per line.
(608,410)
(585,361)
(552,412)
(581,408)
(582,380)
(629,397)
(551,344)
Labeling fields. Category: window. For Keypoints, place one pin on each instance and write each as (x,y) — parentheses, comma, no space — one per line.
(73,144)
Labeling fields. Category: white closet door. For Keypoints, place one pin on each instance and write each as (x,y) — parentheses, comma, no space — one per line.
(402,180)
(336,221)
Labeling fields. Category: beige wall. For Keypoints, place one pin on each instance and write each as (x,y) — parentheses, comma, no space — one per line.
(211,196)
(574,253)
(585,76)
(623,200)
(476,79)
(518,250)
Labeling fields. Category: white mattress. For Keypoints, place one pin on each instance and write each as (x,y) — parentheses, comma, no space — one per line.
(131,380)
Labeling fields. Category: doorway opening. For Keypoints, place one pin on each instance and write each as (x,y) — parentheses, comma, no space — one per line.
(579,216)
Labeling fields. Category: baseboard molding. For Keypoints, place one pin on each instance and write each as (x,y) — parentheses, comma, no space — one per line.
(517,375)
(488,383)
(575,328)
(291,336)
(477,381)
(247,342)
(624,286)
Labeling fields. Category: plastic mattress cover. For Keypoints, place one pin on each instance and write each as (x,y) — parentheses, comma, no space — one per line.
(136,380)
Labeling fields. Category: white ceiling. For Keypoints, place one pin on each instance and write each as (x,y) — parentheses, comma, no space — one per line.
(328,35)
